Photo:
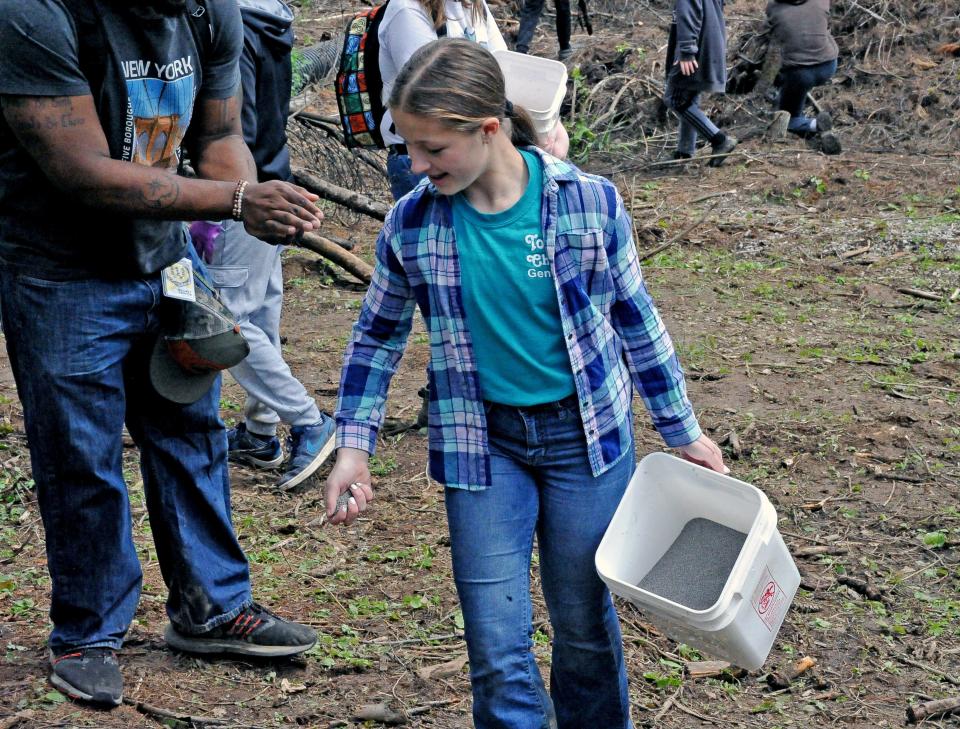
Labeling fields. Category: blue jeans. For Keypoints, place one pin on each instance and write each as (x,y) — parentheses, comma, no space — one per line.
(79,352)
(541,484)
(797,82)
(247,273)
(402,179)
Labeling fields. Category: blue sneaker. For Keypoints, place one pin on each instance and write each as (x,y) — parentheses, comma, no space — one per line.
(309,446)
(253,450)
(802,126)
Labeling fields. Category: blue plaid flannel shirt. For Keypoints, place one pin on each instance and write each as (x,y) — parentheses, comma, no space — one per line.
(614,335)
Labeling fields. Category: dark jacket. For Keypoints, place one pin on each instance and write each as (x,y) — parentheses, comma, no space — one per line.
(266,76)
(698,32)
(802,29)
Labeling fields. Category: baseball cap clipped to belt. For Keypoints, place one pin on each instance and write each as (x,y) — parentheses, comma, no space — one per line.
(200,338)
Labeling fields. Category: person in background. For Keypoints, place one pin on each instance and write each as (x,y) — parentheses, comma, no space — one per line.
(802,30)
(248,272)
(529,18)
(91,247)
(697,63)
(526,273)
(406,26)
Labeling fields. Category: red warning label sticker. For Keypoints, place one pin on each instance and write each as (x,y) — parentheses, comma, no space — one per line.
(769,600)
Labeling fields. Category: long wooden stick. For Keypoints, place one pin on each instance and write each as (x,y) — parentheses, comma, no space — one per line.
(941,707)
(340,195)
(332,252)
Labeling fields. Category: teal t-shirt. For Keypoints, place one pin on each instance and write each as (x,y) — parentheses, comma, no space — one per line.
(510,299)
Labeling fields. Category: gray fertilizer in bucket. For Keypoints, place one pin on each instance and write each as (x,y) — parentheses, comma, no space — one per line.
(695,568)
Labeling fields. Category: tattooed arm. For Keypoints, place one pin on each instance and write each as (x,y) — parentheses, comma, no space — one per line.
(64,137)
(221,151)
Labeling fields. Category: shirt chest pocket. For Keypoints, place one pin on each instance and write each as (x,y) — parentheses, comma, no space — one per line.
(583,252)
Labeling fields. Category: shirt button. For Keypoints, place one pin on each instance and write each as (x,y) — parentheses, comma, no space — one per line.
(570,335)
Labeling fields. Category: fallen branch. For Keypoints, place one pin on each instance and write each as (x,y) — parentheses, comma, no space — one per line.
(164,715)
(854,253)
(940,707)
(708,669)
(862,586)
(340,195)
(929,669)
(818,550)
(920,294)
(332,252)
(673,239)
(380,713)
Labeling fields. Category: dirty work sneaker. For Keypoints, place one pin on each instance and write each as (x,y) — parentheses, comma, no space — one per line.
(721,150)
(823,122)
(88,674)
(253,450)
(254,632)
(309,446)
(829,143)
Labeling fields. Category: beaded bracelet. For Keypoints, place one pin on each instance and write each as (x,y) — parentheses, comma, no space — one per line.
(238,200)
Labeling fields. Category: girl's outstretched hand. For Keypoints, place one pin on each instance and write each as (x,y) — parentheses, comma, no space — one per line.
(704,452)
(348,492)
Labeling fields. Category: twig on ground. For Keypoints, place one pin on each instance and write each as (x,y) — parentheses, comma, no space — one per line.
(930,709)
(673,239)
(927,295)
(930,669)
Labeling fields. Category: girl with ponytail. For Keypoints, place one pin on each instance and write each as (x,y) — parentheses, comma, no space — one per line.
(408,25)
(526,274)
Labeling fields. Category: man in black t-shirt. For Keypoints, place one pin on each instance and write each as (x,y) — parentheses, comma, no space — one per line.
(96,98)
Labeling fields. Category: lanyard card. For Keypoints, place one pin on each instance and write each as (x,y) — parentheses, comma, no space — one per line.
(177,280)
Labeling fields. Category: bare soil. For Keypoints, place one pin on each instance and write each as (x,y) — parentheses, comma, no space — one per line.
(814,301)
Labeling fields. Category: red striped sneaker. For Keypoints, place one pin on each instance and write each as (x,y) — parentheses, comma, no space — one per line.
(254,632)
(88,674)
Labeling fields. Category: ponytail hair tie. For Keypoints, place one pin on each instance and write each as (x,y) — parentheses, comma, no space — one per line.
(508,107)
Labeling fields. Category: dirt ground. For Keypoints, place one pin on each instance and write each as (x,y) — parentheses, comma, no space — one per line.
(815,303)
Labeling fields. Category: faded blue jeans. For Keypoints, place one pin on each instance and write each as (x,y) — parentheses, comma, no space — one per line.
(797,81)
(541,485)
(79,351)
(248,275)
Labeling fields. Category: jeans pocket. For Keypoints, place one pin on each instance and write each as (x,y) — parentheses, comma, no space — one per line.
(72,328)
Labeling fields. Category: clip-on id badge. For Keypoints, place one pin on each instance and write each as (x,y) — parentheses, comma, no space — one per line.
(177,280)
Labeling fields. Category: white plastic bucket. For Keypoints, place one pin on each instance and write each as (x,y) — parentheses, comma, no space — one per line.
(665,494)
(537,84)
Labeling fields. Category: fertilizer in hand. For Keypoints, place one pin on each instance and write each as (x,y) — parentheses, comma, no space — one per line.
(695,568)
